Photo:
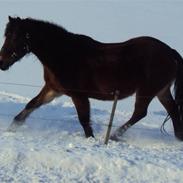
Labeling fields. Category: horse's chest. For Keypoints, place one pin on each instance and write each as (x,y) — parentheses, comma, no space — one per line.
(52,80)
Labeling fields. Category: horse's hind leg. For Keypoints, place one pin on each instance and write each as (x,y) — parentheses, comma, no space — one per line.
(83,109)
(141,104)
(168,102)
(45,96)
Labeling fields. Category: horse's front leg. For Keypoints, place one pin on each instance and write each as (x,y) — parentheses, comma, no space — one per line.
(83,109)
(46,95)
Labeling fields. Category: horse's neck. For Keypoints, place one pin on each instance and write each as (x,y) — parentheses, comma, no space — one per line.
(47,49)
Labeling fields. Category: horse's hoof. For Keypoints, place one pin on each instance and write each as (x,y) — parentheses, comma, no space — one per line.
(114,137)
(13,127)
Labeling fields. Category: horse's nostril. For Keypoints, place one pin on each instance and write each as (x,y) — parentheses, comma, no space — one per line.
(1,61)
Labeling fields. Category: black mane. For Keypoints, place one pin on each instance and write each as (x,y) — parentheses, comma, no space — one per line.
(45,25)
(59,36)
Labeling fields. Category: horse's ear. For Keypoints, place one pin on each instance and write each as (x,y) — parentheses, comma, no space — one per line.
(18,18)
(10,18)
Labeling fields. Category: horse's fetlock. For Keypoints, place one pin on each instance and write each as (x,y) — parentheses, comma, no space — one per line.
(179,135)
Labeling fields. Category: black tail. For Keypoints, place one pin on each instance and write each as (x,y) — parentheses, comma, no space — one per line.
(178,92)
(178,95)
(178,87)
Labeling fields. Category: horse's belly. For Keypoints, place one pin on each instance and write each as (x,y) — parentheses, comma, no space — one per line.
(106,90)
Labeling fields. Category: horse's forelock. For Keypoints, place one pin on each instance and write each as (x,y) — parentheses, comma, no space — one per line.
(14,24)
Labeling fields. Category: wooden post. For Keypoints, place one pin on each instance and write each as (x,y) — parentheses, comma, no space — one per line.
(112,116)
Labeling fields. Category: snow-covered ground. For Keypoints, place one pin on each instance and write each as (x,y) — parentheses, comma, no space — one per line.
(51,147)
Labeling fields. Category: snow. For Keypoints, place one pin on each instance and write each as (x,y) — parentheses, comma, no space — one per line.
(51,147)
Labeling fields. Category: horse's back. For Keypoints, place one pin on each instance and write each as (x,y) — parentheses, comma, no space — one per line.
(127,66)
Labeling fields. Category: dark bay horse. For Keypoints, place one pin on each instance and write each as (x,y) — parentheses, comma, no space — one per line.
(82,68)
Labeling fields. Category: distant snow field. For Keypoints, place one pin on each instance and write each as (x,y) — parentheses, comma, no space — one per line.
(51,147)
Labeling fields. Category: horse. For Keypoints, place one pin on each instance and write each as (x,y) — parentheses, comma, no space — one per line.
(81,68)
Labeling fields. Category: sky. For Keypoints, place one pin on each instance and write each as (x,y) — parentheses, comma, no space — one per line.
(105,21)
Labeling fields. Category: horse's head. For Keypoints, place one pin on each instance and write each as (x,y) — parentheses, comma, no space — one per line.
(16,44)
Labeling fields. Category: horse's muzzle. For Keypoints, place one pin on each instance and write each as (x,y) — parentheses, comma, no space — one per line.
(1,62)
(3,66)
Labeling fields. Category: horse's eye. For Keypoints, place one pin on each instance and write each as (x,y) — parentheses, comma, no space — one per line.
(8,35)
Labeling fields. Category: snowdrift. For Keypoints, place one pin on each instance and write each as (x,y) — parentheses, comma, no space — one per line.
(51,147)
